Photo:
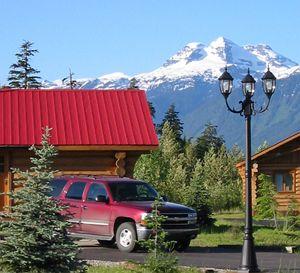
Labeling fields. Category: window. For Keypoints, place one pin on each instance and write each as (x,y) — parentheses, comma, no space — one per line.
(76,191)
(284,181)
(57,186)
(132,191)
(96,190)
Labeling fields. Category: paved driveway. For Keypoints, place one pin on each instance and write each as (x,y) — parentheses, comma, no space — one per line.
(200,257)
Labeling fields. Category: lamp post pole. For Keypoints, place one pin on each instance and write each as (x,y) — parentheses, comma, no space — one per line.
(248,261)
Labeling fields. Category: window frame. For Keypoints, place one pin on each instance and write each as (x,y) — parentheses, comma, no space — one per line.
(88,189)
(65,181)
(284,172)
(83,192)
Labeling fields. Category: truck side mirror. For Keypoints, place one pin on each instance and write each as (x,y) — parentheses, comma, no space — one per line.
(165,198)
(102,199)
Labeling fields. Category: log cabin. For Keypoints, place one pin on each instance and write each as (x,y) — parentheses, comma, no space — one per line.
(282,162)
(96,132)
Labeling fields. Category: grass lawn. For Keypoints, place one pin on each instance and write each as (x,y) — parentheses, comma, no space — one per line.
(227,233)
(136,269)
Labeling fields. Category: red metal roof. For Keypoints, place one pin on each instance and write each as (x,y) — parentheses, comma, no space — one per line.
(77,117)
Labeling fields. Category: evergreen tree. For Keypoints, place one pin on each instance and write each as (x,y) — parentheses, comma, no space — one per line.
(198,197)
(221,179)
(159,259)
(69,81)
(237,153)
(152,109)
(266,204)
(262,147)
(36,239)
(174,121)
(165,168)
(21,74)
(133,84)
(208,139)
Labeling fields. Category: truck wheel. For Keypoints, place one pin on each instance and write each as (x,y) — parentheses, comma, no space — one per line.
(182,245)
(103,243)
(126,237)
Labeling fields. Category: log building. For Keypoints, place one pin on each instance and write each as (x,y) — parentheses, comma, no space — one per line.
(282,162)
(96,132)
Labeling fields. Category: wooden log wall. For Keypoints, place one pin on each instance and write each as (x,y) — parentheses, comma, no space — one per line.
(70,163)
(283,198)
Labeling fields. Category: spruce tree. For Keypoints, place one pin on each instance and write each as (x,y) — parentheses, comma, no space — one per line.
(208,139)
(21,74)
(152,109)
(198,197)
(262,147)
(165,168)
(237,153)
(266,204)
(69,81)
(36,237)
(133,84)
(172,117)
(221,179)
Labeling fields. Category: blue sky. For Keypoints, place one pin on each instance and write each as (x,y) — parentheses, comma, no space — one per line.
(96,37)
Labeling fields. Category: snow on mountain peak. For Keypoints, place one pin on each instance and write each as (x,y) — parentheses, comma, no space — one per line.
(190,51)
(196,60)
(113,76)
(277,62)
(221,42)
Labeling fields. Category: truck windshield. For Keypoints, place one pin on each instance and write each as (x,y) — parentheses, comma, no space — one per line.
(132,191)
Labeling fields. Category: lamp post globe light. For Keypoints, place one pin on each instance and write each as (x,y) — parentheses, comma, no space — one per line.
(248,262)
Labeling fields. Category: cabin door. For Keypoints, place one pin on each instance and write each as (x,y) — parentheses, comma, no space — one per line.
(2,177)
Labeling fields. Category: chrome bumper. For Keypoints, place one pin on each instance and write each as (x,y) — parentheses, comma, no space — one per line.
(143,233)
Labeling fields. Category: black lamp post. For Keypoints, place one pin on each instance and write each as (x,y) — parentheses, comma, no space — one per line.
(248,263)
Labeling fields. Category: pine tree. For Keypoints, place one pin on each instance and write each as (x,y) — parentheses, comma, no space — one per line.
(237,153)
(262,147)
(172,117)
(208,139)
(152,109)
(266,204)
(221,179)
(69,80)
(21,74)
(159,259)
(165,168)
(133,84)
(36,239)
(198,197)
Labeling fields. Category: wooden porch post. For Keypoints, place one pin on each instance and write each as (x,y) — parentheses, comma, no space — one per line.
(7,180)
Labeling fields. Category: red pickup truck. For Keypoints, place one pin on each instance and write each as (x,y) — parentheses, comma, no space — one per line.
(113,209)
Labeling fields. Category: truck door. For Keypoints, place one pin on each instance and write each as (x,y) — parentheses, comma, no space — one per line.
(73,199)
(95,215)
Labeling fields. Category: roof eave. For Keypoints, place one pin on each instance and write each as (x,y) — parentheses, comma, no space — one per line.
(271,148)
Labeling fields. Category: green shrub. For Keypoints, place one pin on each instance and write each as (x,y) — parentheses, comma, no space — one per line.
(266,204)
(159,259)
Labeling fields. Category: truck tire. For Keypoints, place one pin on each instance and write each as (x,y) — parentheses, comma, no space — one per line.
(182,245)
(126,237)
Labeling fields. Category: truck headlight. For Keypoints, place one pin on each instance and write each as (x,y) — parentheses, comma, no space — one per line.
(144,217)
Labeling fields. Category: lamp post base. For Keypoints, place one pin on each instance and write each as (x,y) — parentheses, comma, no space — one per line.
(249,263)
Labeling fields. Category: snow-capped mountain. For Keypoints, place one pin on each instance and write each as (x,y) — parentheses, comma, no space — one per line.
(197,59)
(189,79)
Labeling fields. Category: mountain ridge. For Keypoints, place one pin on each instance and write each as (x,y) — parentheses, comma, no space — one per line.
(189,80)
